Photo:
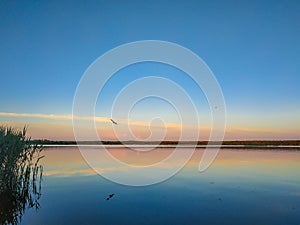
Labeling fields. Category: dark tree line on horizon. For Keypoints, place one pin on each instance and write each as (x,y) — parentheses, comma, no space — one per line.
(244,142)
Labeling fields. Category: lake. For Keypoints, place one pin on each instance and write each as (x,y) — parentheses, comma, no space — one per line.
(242,186)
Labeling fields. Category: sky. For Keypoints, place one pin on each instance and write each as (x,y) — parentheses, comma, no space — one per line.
(252,47)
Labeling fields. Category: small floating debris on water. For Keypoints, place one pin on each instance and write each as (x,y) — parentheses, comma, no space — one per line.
(110,196)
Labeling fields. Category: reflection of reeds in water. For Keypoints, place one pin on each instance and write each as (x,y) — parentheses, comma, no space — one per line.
(20,175)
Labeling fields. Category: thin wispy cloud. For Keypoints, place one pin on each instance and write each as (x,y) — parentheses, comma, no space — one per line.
(53,116)
(86,118)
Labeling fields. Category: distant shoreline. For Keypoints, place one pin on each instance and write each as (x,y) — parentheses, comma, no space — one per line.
(286,144)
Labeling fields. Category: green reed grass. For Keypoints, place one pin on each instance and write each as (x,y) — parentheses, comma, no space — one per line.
(20,174)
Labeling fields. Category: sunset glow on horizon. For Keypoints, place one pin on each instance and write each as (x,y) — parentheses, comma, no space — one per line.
(59,127)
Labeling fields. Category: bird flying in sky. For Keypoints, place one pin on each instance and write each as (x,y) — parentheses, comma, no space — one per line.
(114,122)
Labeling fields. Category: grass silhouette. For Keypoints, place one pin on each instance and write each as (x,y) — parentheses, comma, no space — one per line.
(20,174)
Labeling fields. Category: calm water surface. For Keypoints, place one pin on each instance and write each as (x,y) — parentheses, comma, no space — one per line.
(240,187)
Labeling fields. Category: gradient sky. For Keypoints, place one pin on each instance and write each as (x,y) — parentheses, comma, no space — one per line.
(251,46)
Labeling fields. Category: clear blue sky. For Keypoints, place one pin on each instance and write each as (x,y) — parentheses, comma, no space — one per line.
(251,46)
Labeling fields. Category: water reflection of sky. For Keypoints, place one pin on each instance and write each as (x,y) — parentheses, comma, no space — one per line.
(241,187)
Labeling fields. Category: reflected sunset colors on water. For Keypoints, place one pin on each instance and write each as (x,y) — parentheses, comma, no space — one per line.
(246,186)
